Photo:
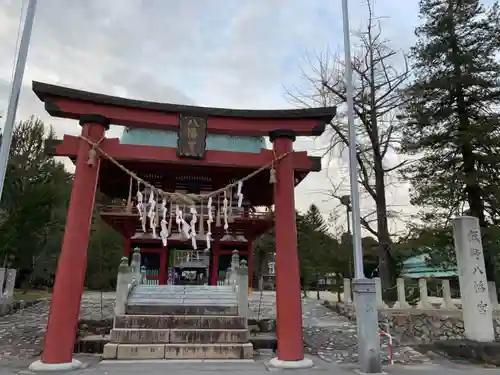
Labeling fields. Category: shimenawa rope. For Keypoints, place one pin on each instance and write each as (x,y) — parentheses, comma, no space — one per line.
(176,196)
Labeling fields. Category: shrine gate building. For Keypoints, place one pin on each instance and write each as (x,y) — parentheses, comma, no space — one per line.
(194,152)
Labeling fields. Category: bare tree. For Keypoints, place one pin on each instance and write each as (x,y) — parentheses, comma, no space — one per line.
(377,99)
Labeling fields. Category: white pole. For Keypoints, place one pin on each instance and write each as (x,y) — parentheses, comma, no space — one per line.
(364,290)
(353,163)
(17,82)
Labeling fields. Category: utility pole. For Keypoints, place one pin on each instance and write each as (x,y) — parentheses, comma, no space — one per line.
(17,82)
(363,288)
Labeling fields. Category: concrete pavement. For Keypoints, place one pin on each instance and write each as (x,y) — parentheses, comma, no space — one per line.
(257,367)
(32,321)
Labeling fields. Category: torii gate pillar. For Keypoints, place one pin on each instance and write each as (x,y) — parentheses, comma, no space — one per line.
(70,277)
(288,293)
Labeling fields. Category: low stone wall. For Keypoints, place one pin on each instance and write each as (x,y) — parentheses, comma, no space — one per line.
(418,326)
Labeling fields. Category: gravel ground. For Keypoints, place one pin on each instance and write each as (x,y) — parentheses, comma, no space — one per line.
(329,335)
(333,337)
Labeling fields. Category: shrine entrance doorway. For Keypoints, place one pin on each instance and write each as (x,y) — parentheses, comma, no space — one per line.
(192,275)
(188,267)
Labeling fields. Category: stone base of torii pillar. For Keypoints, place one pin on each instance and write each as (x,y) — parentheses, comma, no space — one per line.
(39,366)
(302,364)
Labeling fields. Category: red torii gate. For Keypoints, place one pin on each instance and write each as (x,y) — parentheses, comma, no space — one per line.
(95,113)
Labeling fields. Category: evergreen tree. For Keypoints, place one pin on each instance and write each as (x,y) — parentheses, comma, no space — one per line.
(34,198)
(315,219)
(452,111)
(33,214)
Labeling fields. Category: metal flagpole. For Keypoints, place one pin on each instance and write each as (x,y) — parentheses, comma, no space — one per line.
(363,288)
(17,82)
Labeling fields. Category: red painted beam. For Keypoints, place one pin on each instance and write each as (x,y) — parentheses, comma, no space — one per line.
(213,158)
(65,102)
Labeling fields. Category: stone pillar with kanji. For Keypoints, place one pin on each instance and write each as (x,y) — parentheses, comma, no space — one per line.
(476,305)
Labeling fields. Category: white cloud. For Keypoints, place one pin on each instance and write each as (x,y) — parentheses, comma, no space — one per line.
(207,52)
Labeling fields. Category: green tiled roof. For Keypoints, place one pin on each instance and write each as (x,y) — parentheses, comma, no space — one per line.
(418,267)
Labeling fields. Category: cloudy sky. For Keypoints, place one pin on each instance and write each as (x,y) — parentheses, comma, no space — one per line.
(223,53)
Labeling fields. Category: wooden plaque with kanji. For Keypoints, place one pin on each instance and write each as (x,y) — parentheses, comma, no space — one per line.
(191,142)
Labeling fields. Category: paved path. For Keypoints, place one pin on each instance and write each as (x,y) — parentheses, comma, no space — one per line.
(21,333)
(333,337)
(330,336)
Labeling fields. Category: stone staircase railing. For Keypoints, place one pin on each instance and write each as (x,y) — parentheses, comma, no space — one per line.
(130,276)
(238,278)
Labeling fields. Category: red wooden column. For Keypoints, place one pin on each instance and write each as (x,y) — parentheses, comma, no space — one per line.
(72,265)
(163,266)
(127,248)
(288,302)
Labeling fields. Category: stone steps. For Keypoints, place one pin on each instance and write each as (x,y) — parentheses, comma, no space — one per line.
(178,336)
(182,300)
(184,291)
(177,351)
(188,288)
(180,322)
(192,309)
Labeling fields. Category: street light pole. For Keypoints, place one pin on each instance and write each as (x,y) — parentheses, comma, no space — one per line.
(363,288)
(17,82)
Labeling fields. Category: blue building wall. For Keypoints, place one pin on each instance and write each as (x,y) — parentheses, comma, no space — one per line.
(217,142)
